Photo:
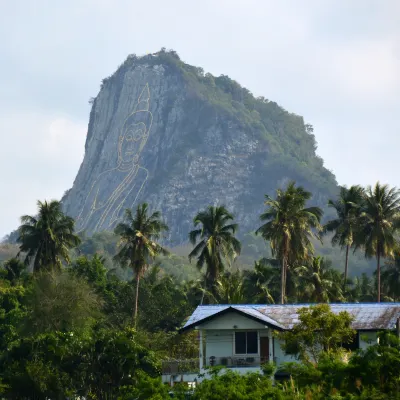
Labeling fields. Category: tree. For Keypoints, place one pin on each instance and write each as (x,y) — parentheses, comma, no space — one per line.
(390,278)
(47,238)
(362,289)
(137,246)
(262,282)
(215,243)
(378,366)
(230,288)
(60,301)
(348,207)
(319,283)
(14,270)
(319,331)
(289,227)
(379,221)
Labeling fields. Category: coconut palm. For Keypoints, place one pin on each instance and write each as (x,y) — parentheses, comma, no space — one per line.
(137,244)
(390,277)
(47,238)
(379,222)
(215,243)
(262,282)
(318,282)
(348,207)
(289,228)
(230,288)
(362,289)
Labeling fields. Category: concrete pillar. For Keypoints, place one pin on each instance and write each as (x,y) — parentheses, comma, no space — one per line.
(201,349)
(271,348)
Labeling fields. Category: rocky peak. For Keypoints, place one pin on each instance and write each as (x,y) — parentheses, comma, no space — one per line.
(163,132)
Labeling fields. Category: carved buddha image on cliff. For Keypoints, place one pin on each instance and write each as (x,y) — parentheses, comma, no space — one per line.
(118,188)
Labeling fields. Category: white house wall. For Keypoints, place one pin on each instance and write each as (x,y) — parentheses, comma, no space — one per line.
(279,354)
(367,339)
(230,320)
(219,343)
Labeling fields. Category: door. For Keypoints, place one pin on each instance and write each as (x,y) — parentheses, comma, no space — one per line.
(264,349)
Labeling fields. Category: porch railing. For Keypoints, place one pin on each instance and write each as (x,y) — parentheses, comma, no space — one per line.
(235,361)
(171,367)
(191,366)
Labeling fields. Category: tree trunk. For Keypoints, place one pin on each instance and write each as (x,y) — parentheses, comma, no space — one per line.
(283,280)
(284,269)
(378,269)
(346,268)
(135,312)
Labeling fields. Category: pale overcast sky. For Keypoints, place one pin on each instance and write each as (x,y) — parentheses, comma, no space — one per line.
(336,62)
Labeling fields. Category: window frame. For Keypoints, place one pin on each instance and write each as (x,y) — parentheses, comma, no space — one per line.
(246,331)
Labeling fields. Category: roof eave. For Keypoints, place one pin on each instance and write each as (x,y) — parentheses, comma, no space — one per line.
(224,311)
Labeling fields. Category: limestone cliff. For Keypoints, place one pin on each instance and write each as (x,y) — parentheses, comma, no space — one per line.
(163,132)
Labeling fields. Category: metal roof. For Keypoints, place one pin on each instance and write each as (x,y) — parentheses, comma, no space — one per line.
(367,316)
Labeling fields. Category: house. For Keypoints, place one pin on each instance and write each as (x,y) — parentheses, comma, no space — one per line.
(243,337)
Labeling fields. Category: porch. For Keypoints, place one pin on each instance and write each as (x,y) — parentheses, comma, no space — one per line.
(171,367)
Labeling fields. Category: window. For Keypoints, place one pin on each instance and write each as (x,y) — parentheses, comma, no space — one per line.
(246,342)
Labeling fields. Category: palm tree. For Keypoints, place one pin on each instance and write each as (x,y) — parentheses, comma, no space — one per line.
(216,243)
(319,283)
(362,289)
(137,246)
(379,222)
(289,227)
(348,207)
(390,277)
(262,282)
(230,288)
(47,238)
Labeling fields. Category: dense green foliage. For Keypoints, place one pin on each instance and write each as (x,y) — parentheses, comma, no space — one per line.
(319,332)
(66,330)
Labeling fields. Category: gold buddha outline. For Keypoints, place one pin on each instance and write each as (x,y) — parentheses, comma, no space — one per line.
(130,132)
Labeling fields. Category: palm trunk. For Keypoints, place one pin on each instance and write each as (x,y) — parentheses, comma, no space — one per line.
(284,270)
(283,280)
(346,268)
(378,269)
(136,300)
(204,290)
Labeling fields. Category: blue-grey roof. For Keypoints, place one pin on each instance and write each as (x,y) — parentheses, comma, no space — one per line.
(371,316)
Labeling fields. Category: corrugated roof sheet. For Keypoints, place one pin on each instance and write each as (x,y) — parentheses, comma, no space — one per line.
(371,316)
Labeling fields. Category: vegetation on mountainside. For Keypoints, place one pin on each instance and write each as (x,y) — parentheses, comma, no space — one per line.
(67,330)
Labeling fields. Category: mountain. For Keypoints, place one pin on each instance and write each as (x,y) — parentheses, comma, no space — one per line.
(165,132)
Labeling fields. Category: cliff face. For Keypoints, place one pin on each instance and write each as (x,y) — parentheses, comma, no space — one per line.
(161,131)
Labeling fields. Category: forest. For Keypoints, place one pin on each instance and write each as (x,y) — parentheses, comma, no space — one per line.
(94,317)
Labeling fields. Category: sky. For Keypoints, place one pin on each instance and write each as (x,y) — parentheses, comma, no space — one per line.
(335,62)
